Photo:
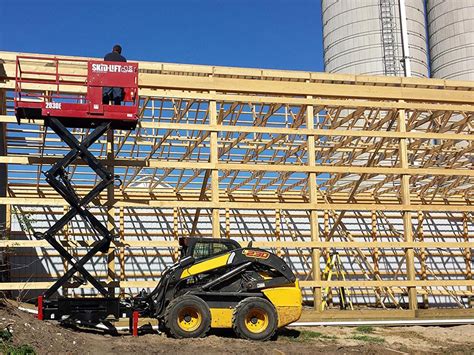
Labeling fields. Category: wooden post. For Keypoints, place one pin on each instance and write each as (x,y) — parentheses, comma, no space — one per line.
(3,167)
(227,223)
(423,269)
(111,275)
(65,262)
(175,232)
(326,232)
(325,254)
(407,225)
(6,269)
(375,251)
(313,198)
(8,221)
(467,257)
(215,172)
(5,213)
(278,230)
(122,248)
(375,255)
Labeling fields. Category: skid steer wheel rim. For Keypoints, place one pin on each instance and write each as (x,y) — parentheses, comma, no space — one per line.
(256,320)
(189,319)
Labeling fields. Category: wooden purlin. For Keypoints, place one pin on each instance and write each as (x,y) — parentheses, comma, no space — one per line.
(250,130)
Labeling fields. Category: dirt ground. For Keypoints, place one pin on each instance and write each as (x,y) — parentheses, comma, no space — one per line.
(49,337)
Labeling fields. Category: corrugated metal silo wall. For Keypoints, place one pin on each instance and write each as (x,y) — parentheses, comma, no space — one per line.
(352,35)
(451,38)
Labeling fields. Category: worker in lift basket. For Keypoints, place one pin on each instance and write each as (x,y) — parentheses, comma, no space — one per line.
(115,95)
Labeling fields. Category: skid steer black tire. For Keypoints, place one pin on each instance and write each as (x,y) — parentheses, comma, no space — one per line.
(187,317)
(255,318)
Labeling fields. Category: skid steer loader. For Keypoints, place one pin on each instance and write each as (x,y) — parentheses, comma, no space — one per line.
(218,284)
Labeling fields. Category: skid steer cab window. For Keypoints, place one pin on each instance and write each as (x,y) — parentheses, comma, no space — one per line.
(203,250)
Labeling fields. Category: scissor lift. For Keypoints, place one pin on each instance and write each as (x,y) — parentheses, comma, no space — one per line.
(43,95)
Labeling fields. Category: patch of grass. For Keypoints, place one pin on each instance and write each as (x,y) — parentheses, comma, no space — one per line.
(5,335)
(306,335)
(368,339)
(17,350)
(6,346)
(301,335)
(366,329)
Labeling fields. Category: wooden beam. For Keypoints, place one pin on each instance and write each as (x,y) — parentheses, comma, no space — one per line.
(286,87)
(252,205)
(9,58)
(155,163)
(287,131)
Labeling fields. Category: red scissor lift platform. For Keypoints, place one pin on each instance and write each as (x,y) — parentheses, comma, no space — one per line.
(71,89)
(67,93)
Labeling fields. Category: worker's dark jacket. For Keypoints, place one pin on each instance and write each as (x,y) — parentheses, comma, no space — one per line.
(113,94)
(114,57)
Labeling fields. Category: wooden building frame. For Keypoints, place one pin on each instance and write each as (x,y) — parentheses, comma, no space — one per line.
(377,168)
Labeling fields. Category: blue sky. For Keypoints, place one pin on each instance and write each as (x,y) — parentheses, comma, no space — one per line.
(282,34)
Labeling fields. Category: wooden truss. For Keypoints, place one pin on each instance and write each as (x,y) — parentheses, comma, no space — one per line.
(379,168)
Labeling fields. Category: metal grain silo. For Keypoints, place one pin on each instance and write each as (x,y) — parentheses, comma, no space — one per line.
(451,38)
(365,37)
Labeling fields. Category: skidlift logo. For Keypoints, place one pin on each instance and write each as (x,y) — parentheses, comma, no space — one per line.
(112,68)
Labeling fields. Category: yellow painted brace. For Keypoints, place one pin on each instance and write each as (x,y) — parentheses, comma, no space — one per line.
(206,265)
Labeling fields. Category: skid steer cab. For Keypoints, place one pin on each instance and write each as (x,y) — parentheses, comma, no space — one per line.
(72,90)
(218,284)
